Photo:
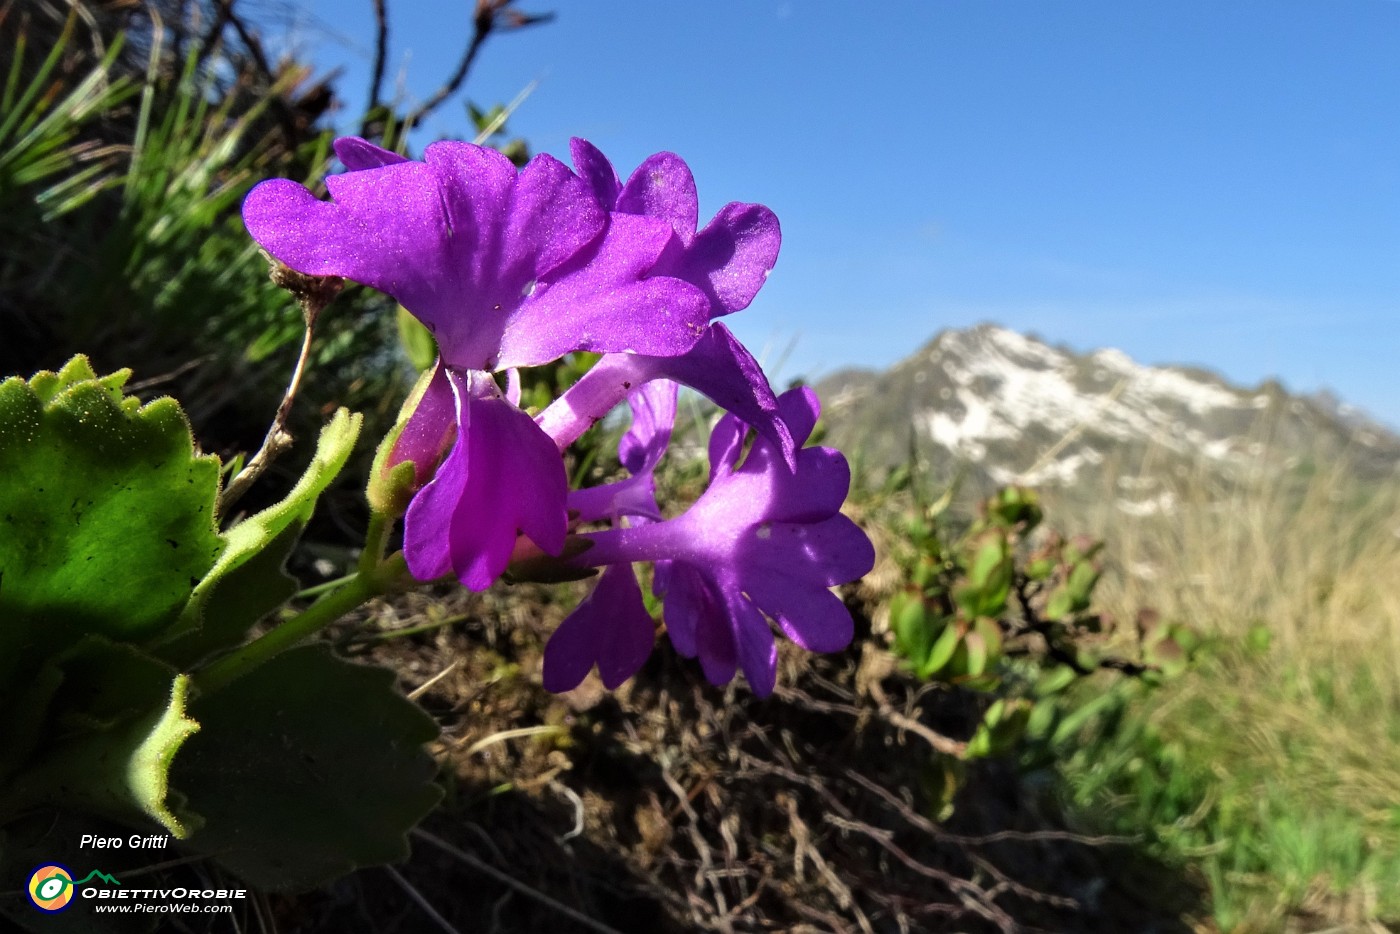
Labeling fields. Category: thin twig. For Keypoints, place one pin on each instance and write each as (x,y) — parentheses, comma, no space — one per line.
(421,901)
(923,823)
(428,685)
(180,370)
(517,733)
(255,49)
(278,439)
(381,52)
(940,743)
(313,294)
(514,883)
(484,21)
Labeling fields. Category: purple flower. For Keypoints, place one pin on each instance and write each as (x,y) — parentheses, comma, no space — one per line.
(640,451)
(729,260)
(510,269)
(718,366)
(507,270)
(762,542)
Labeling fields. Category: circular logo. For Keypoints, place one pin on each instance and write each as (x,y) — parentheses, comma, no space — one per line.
(51,887)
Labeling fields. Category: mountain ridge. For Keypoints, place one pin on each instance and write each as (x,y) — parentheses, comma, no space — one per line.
(1009,407)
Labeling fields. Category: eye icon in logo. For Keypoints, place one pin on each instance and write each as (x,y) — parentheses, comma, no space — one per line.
(51,887)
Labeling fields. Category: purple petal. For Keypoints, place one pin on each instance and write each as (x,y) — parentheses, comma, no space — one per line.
(725,446)
(698,622)
(502,479)
(607,301)
(799,408)
(663,187)
(640,450)
(719,656)
(686,600)
(610,627)
(348,238)
(758,653)
(429,430)
(552,216)
(818,554)
(595,169)
(356,154)
(810,615)
(653,416)
(634,497)
(508,234)
(717,366)
(724,371)
(462,240)
(812,493)
(731,258)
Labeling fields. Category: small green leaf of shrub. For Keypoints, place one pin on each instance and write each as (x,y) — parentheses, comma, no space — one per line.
(941,654)
(1001,728)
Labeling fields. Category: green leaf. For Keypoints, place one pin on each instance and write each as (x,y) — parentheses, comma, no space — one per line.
(944,647)
(306,769)
(417,340)
(1001,729)
(989,576)
(913,636)
(991,638)
(105,682)
(248,582)
(1170,649)
(121,772)
(939,781)
(1075,720)
(1060,604)
(1083,577)
(977,653)
(106,515)
(1054,680)
(1014,505)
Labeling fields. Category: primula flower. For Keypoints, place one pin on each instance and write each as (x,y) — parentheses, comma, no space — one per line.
(729,260)
(762,542)
(507,269)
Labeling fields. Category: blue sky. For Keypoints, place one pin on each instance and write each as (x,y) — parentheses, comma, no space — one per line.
(1210,182)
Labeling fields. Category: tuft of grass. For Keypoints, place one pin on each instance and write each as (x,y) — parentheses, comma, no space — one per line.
(1272,765)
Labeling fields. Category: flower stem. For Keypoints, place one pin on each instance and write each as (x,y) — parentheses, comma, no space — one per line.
(364,586)
(375,538)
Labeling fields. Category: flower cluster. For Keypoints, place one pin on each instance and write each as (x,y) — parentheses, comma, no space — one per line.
(511,269)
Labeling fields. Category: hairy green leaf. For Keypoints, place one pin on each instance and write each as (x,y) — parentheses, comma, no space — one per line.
(106,515)
(121,772)
(306,769)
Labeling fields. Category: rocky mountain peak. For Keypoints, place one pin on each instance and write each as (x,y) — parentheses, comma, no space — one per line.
(1008,407)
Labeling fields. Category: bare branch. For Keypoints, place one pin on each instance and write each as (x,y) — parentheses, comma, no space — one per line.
(487,18)
(381,53)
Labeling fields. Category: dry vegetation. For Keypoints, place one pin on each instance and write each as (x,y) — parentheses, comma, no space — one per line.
(675,806)
(1274,761)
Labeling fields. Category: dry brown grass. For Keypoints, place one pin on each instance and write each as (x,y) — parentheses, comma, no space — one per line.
(1291,720)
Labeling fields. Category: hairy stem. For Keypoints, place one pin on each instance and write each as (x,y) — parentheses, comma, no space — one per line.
(362,588)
